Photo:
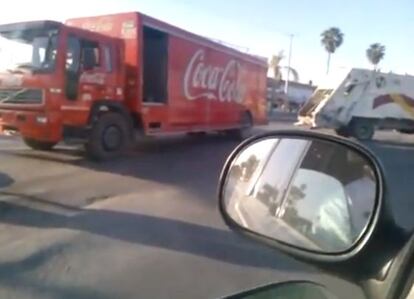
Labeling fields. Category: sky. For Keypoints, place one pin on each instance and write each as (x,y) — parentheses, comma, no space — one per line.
(263,26)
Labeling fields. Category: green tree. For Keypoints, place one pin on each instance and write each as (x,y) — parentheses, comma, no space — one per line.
(375,53)
(331,39)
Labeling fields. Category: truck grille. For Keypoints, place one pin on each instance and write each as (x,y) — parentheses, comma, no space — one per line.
(21,96)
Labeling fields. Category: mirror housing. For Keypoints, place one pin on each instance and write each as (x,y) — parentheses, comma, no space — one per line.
(292,249)
(308,193)
(378,262)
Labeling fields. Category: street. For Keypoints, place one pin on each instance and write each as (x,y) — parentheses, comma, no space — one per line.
(144,226)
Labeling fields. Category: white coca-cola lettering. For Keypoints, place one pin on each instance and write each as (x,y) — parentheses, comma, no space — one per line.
(202,80)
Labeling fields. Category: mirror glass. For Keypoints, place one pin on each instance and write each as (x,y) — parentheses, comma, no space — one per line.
(310,193)
(288,290)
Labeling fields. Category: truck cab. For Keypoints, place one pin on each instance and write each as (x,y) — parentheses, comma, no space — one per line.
(51,78)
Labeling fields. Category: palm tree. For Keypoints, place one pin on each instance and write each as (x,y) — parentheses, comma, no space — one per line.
(375,53)
(276,73)
(276,68)
(274,65)
(332,39)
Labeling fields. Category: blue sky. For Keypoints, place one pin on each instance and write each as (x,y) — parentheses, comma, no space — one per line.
(263,25)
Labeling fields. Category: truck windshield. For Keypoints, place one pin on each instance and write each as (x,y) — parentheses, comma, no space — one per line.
(34,50)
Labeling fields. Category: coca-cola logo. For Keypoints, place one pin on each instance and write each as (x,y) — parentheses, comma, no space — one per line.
(203,80)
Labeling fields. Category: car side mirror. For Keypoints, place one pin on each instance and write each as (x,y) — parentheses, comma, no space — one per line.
(287,290)
(307,193)
(323,200)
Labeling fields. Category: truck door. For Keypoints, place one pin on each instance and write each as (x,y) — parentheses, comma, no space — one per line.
(88,68)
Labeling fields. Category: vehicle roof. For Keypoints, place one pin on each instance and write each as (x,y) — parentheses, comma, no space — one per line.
(389,74)
(175,31)
(30,25)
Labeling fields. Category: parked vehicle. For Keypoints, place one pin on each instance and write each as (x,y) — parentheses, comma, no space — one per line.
(324,200)
(98,80)
(364,102)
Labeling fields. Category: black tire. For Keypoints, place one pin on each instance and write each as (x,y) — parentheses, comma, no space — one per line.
(342,131)
(39,145)
(245,130)
(362,129)
(109,138)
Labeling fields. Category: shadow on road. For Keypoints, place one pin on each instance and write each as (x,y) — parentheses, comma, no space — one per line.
(189,163)
(154,231)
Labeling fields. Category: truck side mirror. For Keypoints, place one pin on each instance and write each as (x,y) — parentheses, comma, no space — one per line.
(88,59)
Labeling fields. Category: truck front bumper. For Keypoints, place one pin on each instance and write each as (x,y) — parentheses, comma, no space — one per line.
(37,125)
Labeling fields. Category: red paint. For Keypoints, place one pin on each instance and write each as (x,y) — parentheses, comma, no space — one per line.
(209,85)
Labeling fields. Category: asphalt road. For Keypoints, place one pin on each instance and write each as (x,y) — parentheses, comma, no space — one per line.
(144,226)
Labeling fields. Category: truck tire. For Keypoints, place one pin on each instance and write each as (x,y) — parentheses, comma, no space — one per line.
(362,129)
(109,138)
(39,145)
(245,130)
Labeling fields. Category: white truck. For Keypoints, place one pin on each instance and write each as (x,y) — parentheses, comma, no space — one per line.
(365,101)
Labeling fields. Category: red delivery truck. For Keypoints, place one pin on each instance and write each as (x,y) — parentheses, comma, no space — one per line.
(99,80)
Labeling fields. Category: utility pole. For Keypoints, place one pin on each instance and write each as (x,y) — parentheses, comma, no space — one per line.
(289,60)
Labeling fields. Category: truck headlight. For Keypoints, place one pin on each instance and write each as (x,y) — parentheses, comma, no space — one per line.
(41,119)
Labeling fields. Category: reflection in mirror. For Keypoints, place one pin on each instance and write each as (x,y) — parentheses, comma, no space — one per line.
(288,290)
(310,193)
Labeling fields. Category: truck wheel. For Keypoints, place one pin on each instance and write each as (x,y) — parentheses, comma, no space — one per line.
(39,145)
(109,138)
(362,130)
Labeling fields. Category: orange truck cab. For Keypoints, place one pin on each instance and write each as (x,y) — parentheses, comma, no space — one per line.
(99,80)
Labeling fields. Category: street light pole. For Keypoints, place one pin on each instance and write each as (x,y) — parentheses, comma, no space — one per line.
(289,60)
